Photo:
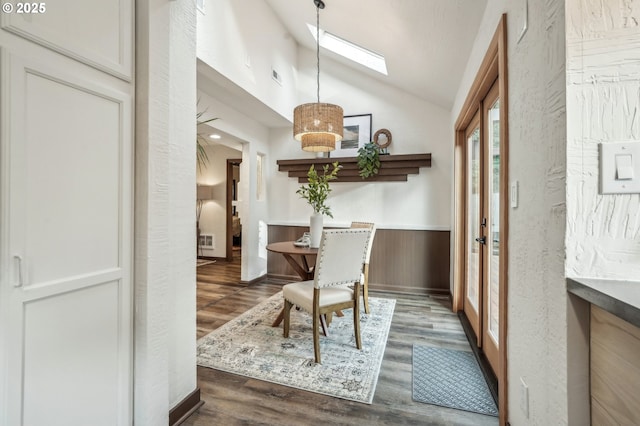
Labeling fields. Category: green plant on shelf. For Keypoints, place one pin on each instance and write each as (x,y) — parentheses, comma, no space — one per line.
(368,160)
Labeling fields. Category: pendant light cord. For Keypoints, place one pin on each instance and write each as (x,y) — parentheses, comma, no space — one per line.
(318,50)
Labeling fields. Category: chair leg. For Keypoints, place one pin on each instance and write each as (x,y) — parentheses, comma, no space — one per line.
(365,290)
(356,317)
(316,337)
(287,317)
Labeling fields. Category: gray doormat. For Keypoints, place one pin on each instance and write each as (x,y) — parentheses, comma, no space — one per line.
(450,378)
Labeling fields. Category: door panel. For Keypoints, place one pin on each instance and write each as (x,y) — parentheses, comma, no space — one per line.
(52,326)
(67,241)
(72,196)
(95,32)
(473,267)
(490,329)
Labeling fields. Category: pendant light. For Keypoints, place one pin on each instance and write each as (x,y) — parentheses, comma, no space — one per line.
(318,126)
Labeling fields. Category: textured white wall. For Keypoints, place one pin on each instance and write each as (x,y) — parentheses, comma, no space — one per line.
(417,127)
(603,104)
(165,195)
(182,175)
(603,101)
(537,144)
(232,34)
(213,219)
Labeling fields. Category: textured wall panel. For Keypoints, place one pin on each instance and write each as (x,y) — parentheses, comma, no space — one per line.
(603,96)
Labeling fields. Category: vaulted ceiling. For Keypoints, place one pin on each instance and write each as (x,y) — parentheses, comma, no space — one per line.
(426,43)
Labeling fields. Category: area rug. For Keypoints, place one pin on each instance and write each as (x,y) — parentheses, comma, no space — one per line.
(249,346)
(202,262)
(450,378)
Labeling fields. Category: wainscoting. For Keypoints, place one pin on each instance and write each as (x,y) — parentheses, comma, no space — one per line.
(402,260)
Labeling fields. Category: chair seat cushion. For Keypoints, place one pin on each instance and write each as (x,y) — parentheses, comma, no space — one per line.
(301,294)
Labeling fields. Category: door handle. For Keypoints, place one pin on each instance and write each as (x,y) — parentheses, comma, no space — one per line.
(20,268)
(482,240)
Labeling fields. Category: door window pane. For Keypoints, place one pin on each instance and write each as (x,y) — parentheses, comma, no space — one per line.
(473,218)
(493,239)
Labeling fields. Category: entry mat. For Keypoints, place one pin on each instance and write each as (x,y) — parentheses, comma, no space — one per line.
(450,378)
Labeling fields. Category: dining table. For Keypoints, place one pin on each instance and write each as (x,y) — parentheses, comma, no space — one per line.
(303,260)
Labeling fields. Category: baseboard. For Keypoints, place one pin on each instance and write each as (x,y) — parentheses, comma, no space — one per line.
(289,278)
(185,408)
(407,290)
(255,280)
(211,258)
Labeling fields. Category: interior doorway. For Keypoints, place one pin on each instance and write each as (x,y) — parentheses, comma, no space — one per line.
(234,224)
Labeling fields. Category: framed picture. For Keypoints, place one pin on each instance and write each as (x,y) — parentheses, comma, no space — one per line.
(356,133)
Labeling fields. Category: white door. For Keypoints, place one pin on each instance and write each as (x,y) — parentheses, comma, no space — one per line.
(66,219)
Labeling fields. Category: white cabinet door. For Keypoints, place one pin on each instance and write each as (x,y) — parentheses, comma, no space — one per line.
(65,232)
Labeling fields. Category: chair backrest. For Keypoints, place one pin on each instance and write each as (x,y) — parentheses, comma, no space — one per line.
(340,257)
(370,226)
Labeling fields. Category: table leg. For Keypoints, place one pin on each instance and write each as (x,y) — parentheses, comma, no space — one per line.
(303,272)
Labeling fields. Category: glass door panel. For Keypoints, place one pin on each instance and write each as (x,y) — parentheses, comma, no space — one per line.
(491,257)
(473,263)
(494,230)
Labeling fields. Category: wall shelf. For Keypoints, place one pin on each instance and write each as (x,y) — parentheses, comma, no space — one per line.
(393,168)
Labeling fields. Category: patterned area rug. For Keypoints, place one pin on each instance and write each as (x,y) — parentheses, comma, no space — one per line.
(249,346)
(450,378)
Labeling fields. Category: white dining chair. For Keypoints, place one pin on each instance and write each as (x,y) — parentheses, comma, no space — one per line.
(339,264)
(365,267)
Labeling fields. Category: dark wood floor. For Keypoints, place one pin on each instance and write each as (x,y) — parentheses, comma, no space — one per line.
(236,400)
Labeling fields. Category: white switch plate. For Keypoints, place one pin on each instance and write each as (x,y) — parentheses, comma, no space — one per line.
(514,194)
(524,398)
(525,19)
(609,182)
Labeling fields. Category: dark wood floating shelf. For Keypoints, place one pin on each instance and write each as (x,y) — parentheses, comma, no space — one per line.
(393,168)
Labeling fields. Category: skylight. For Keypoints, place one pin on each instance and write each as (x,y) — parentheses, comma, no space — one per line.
(349,50)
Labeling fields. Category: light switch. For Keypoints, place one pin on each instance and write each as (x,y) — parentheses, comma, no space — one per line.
(514,194)
(620,168)
(624,168)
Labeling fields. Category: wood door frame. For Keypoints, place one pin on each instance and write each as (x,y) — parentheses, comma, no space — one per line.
(494,66)
(231,162)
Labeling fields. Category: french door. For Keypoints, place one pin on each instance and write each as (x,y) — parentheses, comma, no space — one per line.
(482,225)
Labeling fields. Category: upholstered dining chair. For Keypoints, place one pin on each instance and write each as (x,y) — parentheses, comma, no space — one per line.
(339,262)
(365,267)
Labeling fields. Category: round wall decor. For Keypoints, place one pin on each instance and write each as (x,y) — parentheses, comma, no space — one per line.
(387,135)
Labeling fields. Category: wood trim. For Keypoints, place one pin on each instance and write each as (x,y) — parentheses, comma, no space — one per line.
(229,237)
(189,405)
(404,261)
(392,167)
(494,66)
(503,376)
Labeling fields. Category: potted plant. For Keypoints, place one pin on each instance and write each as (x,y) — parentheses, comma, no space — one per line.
(369,160)
(201,143)
(316,193)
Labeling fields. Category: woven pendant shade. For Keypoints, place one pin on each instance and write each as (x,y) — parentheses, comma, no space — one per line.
(318,126)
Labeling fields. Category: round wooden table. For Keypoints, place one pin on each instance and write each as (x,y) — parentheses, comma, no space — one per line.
(301,259)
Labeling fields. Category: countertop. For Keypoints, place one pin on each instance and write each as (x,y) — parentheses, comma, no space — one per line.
(621,298)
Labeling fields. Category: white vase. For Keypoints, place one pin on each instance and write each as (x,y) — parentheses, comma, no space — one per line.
(315,229)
